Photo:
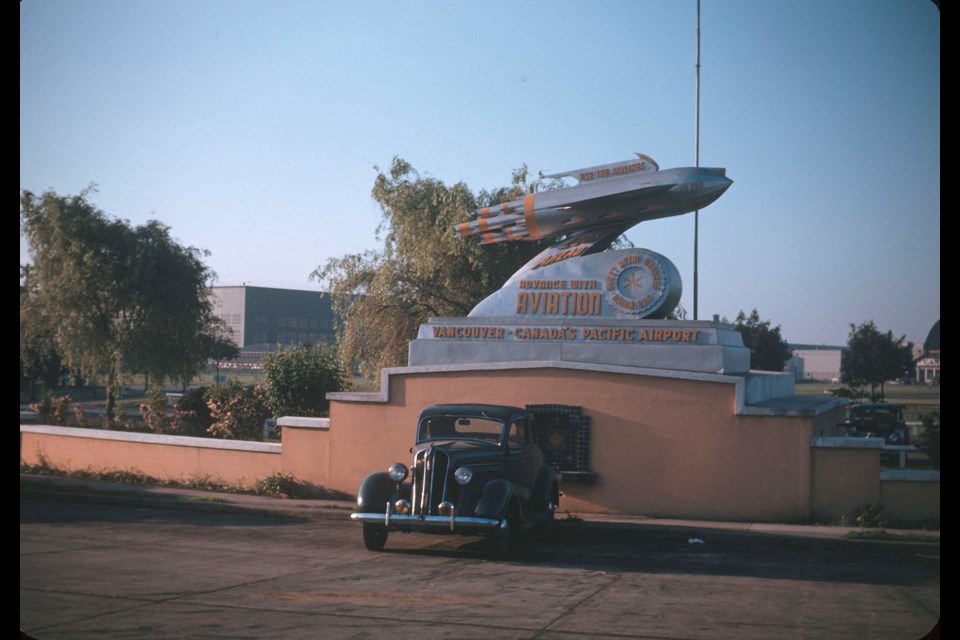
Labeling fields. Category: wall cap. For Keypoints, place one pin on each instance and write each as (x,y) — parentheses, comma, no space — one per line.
(825,442)
(909,475)
(152,438)
(809,406)
(304,423)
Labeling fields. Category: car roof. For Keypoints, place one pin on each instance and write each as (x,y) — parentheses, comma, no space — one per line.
(875,405)
(495,411)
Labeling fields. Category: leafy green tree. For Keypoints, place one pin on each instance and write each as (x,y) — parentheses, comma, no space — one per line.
(117,297)
(768,350)
(172,311)
(872,358)
(422,270)
(39,359)
(298,379)
(217,343)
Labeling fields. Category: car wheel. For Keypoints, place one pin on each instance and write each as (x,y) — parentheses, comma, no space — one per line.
(506,538)
(553,504)
(374,536)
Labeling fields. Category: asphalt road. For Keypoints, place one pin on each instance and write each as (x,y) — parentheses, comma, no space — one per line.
(102,570)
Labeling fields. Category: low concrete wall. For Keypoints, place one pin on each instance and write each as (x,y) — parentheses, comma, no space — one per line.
(910,496)
(661,445)
(160,456)
(306,449)
(844,476)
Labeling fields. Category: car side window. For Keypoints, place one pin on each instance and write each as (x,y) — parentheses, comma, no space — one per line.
(518,433)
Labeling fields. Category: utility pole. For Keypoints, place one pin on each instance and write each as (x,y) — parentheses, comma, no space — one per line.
(696,214)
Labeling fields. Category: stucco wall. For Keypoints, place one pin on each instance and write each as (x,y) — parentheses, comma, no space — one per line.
(306,449)
(661,446)
(844,477)
(169,457)
(911,496)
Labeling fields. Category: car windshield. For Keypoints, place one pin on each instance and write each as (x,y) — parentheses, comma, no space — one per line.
(459,428)
(880,415)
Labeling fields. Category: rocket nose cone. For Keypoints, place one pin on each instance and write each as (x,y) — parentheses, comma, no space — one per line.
(715,180)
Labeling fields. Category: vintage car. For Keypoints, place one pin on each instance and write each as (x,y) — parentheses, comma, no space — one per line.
(877,419)
(476,470)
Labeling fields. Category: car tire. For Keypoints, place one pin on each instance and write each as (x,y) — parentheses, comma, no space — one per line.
(505,540)
(374,536)
(553,505)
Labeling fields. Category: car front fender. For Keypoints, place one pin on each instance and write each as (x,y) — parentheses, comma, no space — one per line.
(495,500)
(375,492)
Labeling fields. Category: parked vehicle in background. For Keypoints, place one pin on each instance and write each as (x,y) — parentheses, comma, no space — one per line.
(476,469)
(877,420)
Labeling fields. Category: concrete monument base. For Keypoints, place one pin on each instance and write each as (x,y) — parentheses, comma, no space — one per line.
(676,345)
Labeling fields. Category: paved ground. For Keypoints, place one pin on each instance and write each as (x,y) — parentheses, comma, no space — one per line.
(109,561)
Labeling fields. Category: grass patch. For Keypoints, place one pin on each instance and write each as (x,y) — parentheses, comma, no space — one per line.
(200,499)
(880,534)
(916,399)
(278,485)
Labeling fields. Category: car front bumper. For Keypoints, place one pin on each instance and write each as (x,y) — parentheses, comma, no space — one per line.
(428,524)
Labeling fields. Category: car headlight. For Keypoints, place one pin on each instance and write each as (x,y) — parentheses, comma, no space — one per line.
(463,475)
(402,507)
(397,472)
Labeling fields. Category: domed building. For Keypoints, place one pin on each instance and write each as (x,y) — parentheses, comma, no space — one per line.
(928,364)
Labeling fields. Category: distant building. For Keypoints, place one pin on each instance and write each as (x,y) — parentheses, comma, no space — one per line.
(928,364)
(815,362)
(260,318)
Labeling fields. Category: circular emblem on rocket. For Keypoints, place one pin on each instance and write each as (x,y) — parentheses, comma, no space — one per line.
(639,283)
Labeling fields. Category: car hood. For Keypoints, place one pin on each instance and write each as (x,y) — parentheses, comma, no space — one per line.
(463,452)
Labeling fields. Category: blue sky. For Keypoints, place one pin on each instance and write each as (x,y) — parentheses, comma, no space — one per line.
(252,129)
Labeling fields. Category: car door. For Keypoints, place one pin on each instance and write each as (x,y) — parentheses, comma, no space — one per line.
(523,458)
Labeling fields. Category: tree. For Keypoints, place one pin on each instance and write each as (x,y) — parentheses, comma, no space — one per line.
(118,298)
(422,270)
(39,358)
(299,378)
(218,344)
(171,312)
(872,357)
(768,350)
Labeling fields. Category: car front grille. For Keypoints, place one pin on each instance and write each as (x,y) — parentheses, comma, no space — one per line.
(430,486)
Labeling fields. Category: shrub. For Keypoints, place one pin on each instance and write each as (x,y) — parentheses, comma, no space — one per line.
(929,439)
(83,420)
(154,410)
(281,485)
(157,416)
(299,378)
(237,410)
(853,393)
(52,409)
(194,413)
(870,516)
